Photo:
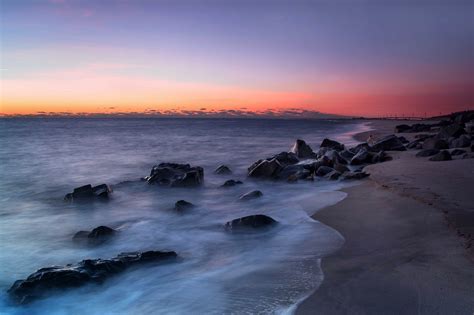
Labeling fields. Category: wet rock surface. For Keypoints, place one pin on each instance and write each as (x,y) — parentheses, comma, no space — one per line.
(87,193)
(251,221)
(231,183)
(182,205)
(223,170)
(56,278)
(254,194)
(176,175)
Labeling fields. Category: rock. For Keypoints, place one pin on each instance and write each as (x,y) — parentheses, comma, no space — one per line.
(265,169)
(293,172)
(335,157)
(97,236)
(402,128)
(441,156)
(182,205)
(231,182)
(433,143)
(285,158)
(328,143)
(251,221)
(176,175)
(457,152)
(346,154)
(427,152)
(388,143)
(58,278)
(403,140)
(81,235)
(463,141)
(361,157)
(223,170)
(380,157)
(340,168)
(302,150)
(361,146)
(414,145)
(251,195)
(423,136)
(354,175)
(453,130)
(101,232)
(462,117)
(334,175)
(323,170)
(87,192)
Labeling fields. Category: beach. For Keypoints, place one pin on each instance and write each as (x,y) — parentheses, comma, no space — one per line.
(407,239)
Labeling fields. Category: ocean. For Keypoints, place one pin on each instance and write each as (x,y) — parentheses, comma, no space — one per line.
(218,272)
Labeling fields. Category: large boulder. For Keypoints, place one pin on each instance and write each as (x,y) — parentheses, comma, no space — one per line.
(361,157)
(251,221)
(285,158)
(87,192)
(452,130)
(334,175)
(434,143)
(176,175)
(254,194)
(463,141)
(335,157)
(346,154)
(388,143)
(302,150)
(294,172)
(265,169)
(223,170)
(427,152)
(328,143)
(323,170)
(58,278)
(441,156)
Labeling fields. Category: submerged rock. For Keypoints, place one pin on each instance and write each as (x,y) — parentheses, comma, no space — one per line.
(176,175)
(441,156)
(58,278)
(182,205)
(251,195)
(231,182)
(98,235)
(251,221)
(302,150)
(87,192)
(223,170)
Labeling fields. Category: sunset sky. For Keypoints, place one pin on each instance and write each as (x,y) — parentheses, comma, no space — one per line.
(349,57)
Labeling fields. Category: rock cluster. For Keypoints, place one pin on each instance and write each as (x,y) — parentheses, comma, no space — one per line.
(176,175)
(87,271)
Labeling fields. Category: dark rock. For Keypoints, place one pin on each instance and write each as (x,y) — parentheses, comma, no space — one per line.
(223,170)
(334,175)
(335,157)
(58,278)
(427,152)
(323,170)
(354,175)
(340,168)
(441,156)
(403,140)
(380,157)
(231,182)
(423,136)
(414,145)
(101,232)
(81,235)
(402,128)
(361,146)
(182,205)
(251,221)
(97,236)
(346,154)
(453,130)
(328,143)
(463,141)
(420,128)
(433,143)
(265,169)
(251,195)
(388,143)
(361,157)
(293,172)
(302,150)
(176,175)
(457,152)
(87,192)
(285,158)
(462,117)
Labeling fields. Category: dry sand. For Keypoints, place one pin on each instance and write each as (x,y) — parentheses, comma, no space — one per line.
(400,255)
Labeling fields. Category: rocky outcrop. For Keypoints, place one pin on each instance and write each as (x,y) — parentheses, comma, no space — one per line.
(251,221)
(302,150)
(87,192)
(223,170)
(58,278)
(182,205)
(231,182)
(332,144)
(176,175)
(388,143)
(441,156)
(251,195)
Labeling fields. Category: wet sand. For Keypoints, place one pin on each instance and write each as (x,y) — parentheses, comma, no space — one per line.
(403,252)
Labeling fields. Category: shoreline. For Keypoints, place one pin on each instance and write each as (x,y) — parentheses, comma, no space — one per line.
(400,254)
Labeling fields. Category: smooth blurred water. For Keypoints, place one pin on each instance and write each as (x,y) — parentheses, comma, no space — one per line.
(219,272)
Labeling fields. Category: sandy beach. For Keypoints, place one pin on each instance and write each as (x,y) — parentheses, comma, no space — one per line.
(408,239)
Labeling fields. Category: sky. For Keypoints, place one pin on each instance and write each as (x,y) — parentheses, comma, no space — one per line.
(345,57)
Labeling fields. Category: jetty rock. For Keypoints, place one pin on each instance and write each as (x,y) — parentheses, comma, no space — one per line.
(58,278)
(176,175)
(87,192)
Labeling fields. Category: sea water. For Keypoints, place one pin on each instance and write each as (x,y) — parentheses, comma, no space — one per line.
(217,272)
